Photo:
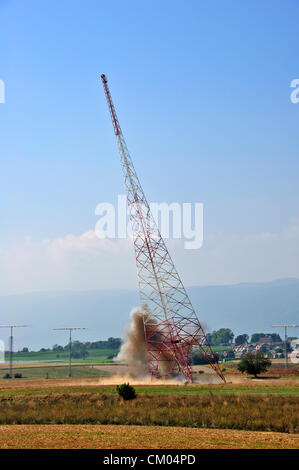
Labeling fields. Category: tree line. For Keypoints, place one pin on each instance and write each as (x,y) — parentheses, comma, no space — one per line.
(225,337)
(81,350)
(221,337)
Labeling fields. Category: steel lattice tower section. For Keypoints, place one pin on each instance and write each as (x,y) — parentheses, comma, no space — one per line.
(171,327)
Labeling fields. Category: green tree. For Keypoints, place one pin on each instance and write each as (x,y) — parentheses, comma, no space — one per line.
(263,348)
(198,358)
(209,338)
(254,364)
(241,339)
(276,337)
(224,336)
(79,350)
(230,354)
(255,337)
(114,343)
(126,391)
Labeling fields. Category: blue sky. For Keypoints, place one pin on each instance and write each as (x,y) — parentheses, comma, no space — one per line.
(202,90)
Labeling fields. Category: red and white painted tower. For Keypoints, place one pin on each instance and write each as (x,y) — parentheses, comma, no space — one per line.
(171,327)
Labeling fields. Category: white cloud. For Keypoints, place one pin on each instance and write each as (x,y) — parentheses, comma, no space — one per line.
(72,262)
(87,262)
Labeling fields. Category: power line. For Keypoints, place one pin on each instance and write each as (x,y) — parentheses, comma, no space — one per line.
(286,326)
(70,345)
(11,344)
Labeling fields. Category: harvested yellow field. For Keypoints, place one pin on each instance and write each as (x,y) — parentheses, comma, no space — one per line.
(140,437)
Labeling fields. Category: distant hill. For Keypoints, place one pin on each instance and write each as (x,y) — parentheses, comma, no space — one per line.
(245,308)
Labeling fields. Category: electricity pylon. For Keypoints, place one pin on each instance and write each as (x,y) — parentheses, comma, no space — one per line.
(70,346)
(285,326)
(172,329)
(11,344)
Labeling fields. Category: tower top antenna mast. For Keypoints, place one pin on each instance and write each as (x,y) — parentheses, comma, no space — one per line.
(116,126)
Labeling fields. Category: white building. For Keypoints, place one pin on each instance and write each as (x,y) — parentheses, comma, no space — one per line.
(295,344)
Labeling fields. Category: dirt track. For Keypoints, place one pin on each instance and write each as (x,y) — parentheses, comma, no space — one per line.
(115,380)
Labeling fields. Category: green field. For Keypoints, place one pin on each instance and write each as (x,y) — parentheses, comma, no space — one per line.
(95,355)
(253,406)
(166,390)
(52,372)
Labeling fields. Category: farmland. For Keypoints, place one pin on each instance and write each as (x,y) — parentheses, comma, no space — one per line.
(94,355)
(85,410)
(141,437)
(229,411)
(103,386)
(50,370)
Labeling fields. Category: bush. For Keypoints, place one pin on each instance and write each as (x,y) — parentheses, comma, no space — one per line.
(198,358)
(230,354)
(254,364)
(112,356)
(126,391)
(6,376)
(80,354)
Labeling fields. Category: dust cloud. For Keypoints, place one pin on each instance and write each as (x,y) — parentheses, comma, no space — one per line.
(133,351)
(133,356)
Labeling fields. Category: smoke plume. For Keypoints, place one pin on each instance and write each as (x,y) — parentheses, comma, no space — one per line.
(133,350)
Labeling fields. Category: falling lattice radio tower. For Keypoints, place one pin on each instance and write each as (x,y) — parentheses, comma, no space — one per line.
(172,330)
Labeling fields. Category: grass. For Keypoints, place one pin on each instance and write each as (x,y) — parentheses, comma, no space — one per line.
(141,437)
(16,387)
(247,412)
(204,390)
(57,371)
(95,355)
